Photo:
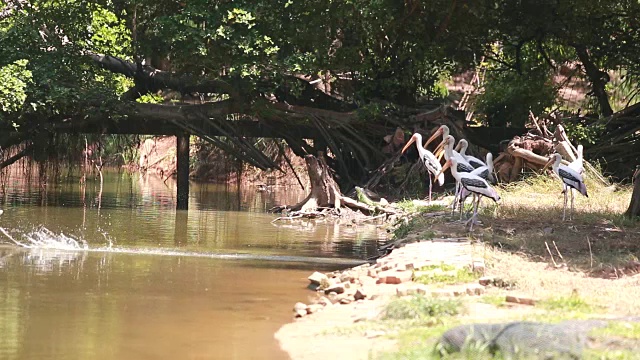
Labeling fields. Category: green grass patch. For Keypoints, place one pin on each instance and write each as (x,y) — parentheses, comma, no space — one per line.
(495,300)
(444,274)
(629,330)
(598,354)
(420,307)
(408,205)
(566,304)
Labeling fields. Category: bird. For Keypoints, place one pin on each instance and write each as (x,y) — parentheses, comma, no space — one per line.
(571,179)
(473,184)
(486,172)
(442,130)
(577,164)
(428,159)
(462,166)
(462,149)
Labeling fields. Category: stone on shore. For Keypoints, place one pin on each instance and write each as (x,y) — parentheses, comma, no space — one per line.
(318,278)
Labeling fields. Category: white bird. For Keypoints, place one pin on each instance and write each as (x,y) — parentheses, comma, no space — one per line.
(473,161)
(442,130)
(462,166)
(486,172)
(571,179)
(428,159)
(473,184)
(577,164)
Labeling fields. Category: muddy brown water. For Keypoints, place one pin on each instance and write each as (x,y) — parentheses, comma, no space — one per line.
(214,282)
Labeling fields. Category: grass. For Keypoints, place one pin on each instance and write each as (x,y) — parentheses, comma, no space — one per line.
(521,234)
(566,304)
(444,274)
(420,307)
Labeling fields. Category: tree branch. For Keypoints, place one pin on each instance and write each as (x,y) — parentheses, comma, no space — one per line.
(149,79)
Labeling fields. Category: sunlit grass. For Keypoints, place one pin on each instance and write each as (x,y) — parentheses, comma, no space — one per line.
(421,307)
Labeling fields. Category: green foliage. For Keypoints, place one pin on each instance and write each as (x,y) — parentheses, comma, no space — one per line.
(421,307)
(508,96)
(584,132)
(14,79)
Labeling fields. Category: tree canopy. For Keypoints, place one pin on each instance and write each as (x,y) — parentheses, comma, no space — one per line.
(289,61)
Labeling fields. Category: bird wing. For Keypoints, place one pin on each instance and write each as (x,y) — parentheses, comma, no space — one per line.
(572,178)
(431,162)
(478,185)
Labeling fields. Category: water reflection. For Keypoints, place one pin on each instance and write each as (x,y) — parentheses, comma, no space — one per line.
(138,211)
(227,279)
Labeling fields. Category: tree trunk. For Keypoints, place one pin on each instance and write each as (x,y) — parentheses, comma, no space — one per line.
(598,79)
(634,205)
(324,190)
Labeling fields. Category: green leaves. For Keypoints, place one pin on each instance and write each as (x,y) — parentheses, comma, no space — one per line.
(14,79)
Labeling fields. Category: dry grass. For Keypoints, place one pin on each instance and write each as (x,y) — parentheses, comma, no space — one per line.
(594,255)
(599,239)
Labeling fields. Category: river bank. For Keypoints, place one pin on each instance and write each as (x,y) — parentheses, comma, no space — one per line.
(529,266)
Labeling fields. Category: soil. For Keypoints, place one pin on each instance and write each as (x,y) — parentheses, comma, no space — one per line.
(335,331)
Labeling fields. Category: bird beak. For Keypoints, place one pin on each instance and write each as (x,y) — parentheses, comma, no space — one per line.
(411,141)
(439,152)
(445,167)
(434,136)
(547,164)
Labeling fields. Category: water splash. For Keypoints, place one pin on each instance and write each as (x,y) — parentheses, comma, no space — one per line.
(43,239)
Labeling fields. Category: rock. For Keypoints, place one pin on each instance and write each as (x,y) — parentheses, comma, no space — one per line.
(345,300)
(300,313)
(442,293)
(486,280)
(314,308)
(318,278)
(475,289)
(384,202)
(324,301)
(401,267)
(300,307)
(395,277)
(347,277)
(360,294)
(333,297)
(547,231)
(337,288)
(372,273)
(401,291)
(520,300)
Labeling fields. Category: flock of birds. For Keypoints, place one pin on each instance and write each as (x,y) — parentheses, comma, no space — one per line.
(474,176)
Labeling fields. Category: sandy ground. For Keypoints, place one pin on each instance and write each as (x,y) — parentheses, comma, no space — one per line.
(319,335)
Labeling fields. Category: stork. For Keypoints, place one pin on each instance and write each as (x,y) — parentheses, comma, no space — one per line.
(577,164)
(571,179)
(486,171)
(442,130)
(473,184)
(473,161)
(446,146)
(429,160)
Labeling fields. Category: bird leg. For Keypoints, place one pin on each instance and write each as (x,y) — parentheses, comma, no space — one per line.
(475,212)
(461,204)
(564,209)
(430,186)
(571,210)
(455,199)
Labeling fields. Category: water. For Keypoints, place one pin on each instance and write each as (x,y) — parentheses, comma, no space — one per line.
(215,282)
